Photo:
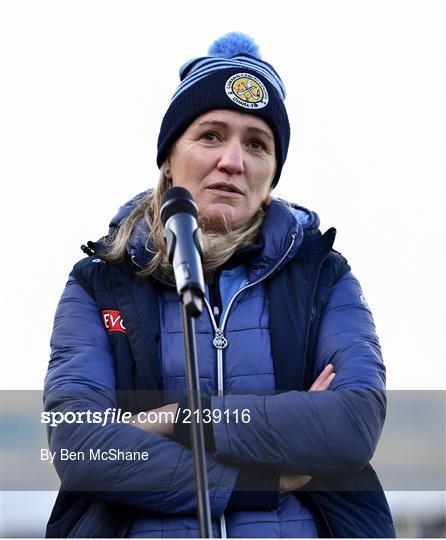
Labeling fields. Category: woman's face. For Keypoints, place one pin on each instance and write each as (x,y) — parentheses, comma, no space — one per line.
(227,161)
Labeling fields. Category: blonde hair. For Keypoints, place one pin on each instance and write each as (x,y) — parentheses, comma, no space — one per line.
(218,246)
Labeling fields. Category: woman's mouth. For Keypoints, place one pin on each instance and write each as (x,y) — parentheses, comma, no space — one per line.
(225,190)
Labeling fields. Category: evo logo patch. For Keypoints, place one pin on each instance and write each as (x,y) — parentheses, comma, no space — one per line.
(113,321)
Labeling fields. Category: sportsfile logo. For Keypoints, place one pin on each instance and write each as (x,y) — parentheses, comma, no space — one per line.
(113,321)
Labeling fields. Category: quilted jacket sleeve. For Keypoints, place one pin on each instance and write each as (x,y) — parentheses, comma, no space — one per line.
(317,432)
(81,377)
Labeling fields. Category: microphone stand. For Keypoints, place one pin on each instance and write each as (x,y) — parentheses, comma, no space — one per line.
(184,246)
(192,306)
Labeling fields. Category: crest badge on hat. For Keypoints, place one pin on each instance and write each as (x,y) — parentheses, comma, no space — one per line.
(247,91)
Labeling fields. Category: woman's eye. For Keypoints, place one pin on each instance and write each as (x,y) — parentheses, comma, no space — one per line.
(257,144)
(208,136)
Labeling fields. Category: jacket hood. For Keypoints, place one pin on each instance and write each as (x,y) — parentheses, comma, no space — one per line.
(280,236)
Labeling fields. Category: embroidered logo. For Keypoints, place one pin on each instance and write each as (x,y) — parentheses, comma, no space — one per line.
(247,91)
(363,301)
(113,321)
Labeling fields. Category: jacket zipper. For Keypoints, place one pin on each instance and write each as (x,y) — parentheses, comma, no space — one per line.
(311,316)
(220,342)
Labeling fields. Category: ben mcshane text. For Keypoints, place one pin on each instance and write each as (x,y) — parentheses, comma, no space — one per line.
(112,454)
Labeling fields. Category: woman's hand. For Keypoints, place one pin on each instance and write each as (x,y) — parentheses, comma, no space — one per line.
(291,482)
(162,420)
(324,379)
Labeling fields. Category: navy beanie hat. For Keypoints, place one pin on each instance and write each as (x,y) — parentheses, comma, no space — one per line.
(233,77)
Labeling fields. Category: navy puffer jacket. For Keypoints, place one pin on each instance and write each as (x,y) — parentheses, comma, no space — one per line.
(322,434)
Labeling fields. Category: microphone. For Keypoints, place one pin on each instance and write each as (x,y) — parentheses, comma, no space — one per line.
(184,246)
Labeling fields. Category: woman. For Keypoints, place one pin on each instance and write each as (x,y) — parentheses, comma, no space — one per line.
(293,319)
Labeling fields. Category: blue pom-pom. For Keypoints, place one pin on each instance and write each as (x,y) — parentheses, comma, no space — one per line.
(233,44)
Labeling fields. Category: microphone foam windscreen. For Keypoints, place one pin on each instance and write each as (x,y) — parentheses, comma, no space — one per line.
(177,200)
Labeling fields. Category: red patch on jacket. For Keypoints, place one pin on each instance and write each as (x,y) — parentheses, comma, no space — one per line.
(113,321)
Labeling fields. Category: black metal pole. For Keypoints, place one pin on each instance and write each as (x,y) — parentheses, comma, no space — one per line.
(201,480)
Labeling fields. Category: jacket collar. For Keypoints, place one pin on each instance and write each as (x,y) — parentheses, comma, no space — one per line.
(279,239)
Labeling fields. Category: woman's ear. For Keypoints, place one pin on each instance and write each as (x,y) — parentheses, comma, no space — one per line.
(167,169)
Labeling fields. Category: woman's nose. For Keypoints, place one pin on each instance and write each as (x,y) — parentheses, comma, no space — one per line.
(231,159)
